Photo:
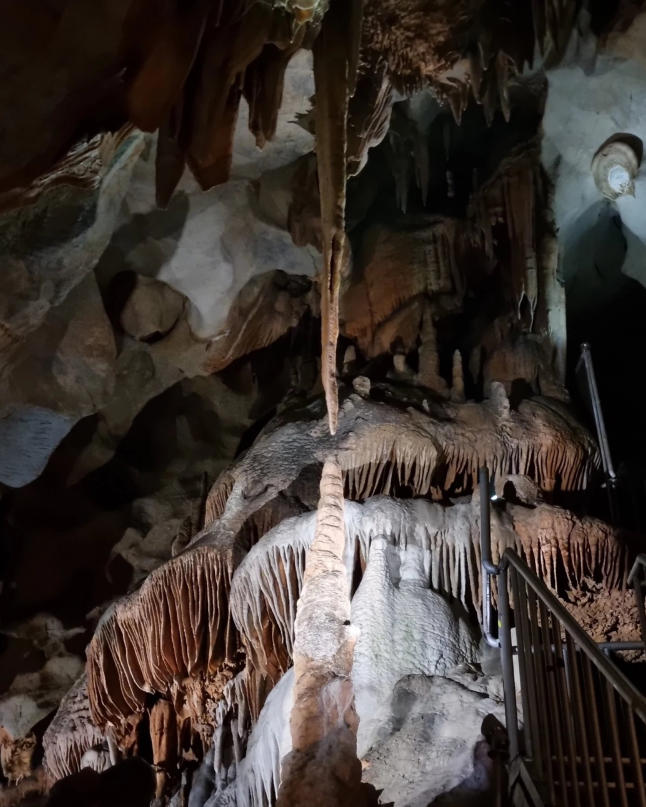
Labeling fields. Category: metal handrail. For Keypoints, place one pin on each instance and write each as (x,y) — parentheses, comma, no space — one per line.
(570,691)
(624,687)
(606,458)
(585,361)
(569,688)
(489,570)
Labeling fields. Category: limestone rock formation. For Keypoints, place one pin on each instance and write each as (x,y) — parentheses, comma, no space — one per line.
(32,697)
(179,643)
(57,350)
(401,612)
(56,228)
(151,310)
(72,742)
(278,279)
(323,764)
(440,544)
(427,736)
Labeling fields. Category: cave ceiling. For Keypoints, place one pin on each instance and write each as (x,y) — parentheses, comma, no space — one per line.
(277,278)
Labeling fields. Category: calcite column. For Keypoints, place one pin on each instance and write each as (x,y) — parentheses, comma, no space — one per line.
(323,767)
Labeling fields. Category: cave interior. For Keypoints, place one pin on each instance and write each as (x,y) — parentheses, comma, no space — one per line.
(278,278)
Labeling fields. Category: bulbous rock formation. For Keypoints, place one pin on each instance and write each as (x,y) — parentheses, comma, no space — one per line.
(446,542)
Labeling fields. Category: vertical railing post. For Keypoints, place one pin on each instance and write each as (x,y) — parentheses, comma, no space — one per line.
(488,567)
(636,580)
(504,622)
(498,738)
(504,628)
(639,598)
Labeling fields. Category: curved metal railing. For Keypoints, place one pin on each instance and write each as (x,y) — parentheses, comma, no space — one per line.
(582,734)
(583,721)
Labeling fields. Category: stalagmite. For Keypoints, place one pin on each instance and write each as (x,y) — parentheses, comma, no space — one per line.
(163,736)
(269,580)
(429,360)
(335,64)
(323,768)
(442,541)
(457,385)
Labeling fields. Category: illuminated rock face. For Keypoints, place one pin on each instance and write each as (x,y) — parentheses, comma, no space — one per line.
(253,354)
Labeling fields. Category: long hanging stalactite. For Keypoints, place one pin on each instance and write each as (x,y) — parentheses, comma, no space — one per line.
(336,54)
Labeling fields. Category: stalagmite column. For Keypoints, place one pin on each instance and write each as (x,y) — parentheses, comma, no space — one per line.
(457,387)
(323,767)
(163,736)
(429,361)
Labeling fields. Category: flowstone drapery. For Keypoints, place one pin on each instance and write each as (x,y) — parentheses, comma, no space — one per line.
(215,629)
(179,624)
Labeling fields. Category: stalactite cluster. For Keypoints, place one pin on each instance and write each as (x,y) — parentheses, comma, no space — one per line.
(378,446)
(223,51)
(73,736)
(268,582)
(464,47)
(432,261)
(175,627)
